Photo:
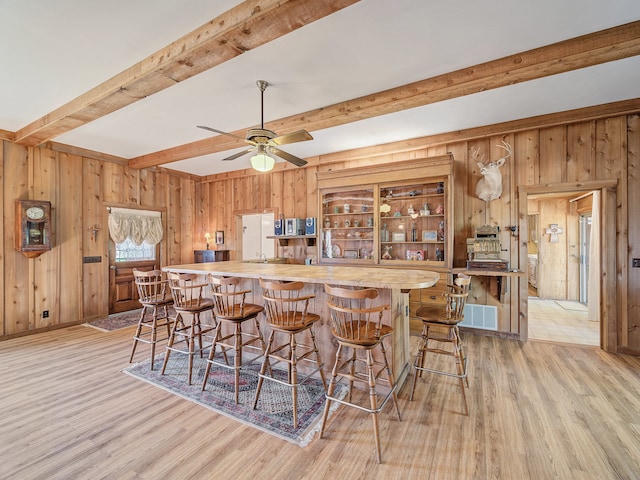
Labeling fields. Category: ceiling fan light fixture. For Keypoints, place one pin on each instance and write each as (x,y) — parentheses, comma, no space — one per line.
(264,141)
(262,162)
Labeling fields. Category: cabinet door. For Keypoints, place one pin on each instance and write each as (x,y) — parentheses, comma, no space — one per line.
(347,226)
(413,223)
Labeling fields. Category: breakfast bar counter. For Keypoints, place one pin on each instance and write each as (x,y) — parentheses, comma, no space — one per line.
(393,285)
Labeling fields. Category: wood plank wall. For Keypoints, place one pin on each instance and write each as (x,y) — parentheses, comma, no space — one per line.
(80,189)
(601,149)
(568,153)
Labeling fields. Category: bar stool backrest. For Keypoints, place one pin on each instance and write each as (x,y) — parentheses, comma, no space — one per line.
(187,293)
(228,298)
(151,287)
(354,316)
(284,305)
(457,299)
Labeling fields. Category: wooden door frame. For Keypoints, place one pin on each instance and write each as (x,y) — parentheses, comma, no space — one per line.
(238,214)
(608,287)
(161,250)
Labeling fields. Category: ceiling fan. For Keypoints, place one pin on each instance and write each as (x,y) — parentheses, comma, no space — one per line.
(265,142)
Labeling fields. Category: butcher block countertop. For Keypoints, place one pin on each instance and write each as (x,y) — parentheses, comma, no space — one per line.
(389,278)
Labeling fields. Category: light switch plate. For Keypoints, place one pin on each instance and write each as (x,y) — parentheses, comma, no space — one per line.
(635,263)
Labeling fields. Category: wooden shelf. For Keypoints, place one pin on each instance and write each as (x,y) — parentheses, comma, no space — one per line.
(283,240)
(497,274)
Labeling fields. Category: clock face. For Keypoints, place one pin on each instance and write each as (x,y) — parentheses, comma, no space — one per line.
(35,213)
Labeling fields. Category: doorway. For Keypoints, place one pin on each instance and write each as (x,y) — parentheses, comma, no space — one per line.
(559,228)
(559,236)
(256,228)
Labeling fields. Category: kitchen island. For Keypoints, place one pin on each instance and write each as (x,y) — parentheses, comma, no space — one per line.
(393,285)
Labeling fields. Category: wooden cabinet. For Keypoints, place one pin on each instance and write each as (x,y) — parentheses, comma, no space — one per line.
(393,215)
(207,256)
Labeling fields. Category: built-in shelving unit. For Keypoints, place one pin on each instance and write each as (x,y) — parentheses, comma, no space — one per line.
(393,215)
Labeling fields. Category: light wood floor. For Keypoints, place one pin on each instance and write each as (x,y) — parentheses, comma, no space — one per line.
(537,411)
(562,322)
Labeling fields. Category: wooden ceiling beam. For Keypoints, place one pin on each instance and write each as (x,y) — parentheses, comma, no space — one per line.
(245,27)
(580,52)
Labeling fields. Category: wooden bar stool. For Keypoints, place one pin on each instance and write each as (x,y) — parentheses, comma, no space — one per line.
(231,309)
(188,300)
(440,324)
(357,326)
(155,300)
(287,315)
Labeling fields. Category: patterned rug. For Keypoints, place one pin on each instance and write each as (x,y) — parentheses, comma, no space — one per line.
(273,413)
(117,321)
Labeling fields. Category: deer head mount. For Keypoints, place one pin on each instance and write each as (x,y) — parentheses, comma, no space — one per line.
(489,187)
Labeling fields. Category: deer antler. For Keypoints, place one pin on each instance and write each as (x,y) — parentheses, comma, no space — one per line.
(476,154)
(505,146)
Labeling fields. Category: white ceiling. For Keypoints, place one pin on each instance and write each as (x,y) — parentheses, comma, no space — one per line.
(52,52)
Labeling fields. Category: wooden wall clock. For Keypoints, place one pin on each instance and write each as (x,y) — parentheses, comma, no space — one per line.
(33,227)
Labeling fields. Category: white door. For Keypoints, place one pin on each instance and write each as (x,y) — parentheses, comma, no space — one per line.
(255,229)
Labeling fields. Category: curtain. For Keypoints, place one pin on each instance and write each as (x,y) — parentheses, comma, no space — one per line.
(138,225)
(593,293)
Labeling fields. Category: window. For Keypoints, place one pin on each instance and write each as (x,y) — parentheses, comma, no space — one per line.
(128,251)
(135,233)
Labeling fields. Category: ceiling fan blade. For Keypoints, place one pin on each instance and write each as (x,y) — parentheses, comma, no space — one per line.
(293,137)
(220,131)
(239,154)
(288,157)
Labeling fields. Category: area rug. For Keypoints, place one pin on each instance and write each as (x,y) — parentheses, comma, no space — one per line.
(273,414)
(117,321)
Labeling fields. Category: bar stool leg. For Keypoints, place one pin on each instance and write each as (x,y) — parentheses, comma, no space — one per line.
(192,341)
(331,388)
(373,400)
(212,353)
(390,379)
(237,359)
(420,357)
(154,334)
(168,323)
(462,369)
(293,373)
(137,334)
(352,371)
(318,360)
(176,325)
(263,369)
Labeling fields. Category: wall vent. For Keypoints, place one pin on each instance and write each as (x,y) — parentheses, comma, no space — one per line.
(480,316)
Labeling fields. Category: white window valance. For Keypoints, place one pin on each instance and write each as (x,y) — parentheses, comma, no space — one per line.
(138,225)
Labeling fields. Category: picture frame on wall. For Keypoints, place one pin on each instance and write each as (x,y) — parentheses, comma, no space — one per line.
(219,237)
